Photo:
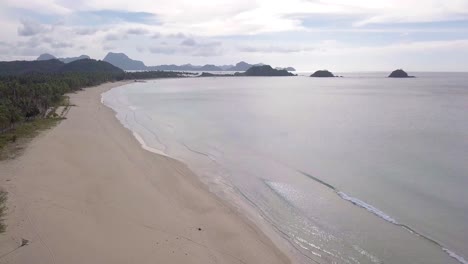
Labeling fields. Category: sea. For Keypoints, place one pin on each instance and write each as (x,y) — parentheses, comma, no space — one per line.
(359,169)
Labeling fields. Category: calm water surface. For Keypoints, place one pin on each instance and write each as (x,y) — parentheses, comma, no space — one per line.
(362,169)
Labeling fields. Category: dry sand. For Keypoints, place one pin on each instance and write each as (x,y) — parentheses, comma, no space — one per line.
(86,192)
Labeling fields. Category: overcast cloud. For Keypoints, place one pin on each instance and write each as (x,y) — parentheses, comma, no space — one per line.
(306,34)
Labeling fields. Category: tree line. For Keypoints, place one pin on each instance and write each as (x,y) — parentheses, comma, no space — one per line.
(29,96)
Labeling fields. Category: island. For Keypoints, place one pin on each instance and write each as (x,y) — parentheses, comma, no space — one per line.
(323,74)
(399,74)
(264,70)
(209,74)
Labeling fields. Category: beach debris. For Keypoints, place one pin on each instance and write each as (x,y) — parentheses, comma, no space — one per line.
(24,242)
(199,229)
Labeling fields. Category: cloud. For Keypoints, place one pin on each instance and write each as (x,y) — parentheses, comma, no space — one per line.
(163,50)
(177,35)
(107,47)
(61,45)
(271,49)
(85,31)
(112,37)
(30,43)
(30,28)
(194,48)
(248,29)
(98,16)
(137,31)
(189,42)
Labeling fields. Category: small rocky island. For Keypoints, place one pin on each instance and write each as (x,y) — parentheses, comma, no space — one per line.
(209,74)
(264,70)
(323,74)
(399,74)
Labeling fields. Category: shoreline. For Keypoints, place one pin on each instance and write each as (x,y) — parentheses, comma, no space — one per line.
(87,192)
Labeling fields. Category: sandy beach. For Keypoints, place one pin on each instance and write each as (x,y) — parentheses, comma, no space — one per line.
(86,192)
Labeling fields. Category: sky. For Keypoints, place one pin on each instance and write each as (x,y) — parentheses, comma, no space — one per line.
(338,35)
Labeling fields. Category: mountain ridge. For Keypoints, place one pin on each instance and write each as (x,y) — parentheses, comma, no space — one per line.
(124,62)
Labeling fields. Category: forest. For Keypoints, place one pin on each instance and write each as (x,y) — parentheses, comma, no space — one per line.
(28,91)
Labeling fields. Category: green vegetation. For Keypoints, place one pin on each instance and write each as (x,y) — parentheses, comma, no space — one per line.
(3,209)
(10,68)
(32,91)
(12,140)
(27,97)
(22,67)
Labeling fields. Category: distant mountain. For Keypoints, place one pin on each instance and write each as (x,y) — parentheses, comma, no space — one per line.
(210,67)
(226,67)
(172,67)
(90,65)
(45,56)
(287,68)
(71,59)
(264,70)
(124,62)
(185,67)
(55,66)
(241,66)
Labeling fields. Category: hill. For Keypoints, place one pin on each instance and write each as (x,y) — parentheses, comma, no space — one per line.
(90,66)
(399,74)
(322,74)
(71,59)
(16,68)
(124,62)
(46,56)
(243,66)
(210,67)
(23,67)
(264,70)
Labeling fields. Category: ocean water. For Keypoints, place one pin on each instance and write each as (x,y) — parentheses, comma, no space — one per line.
(361,169)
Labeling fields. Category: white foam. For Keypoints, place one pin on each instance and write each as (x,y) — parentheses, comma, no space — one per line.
(455,256)
(368,207)
(146,147)
(372,258)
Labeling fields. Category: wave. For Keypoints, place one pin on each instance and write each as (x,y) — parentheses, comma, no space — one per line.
(368,207)
(455,256)
(146,147)
(383,215)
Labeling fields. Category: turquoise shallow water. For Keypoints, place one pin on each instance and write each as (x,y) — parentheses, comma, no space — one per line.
(362,169)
